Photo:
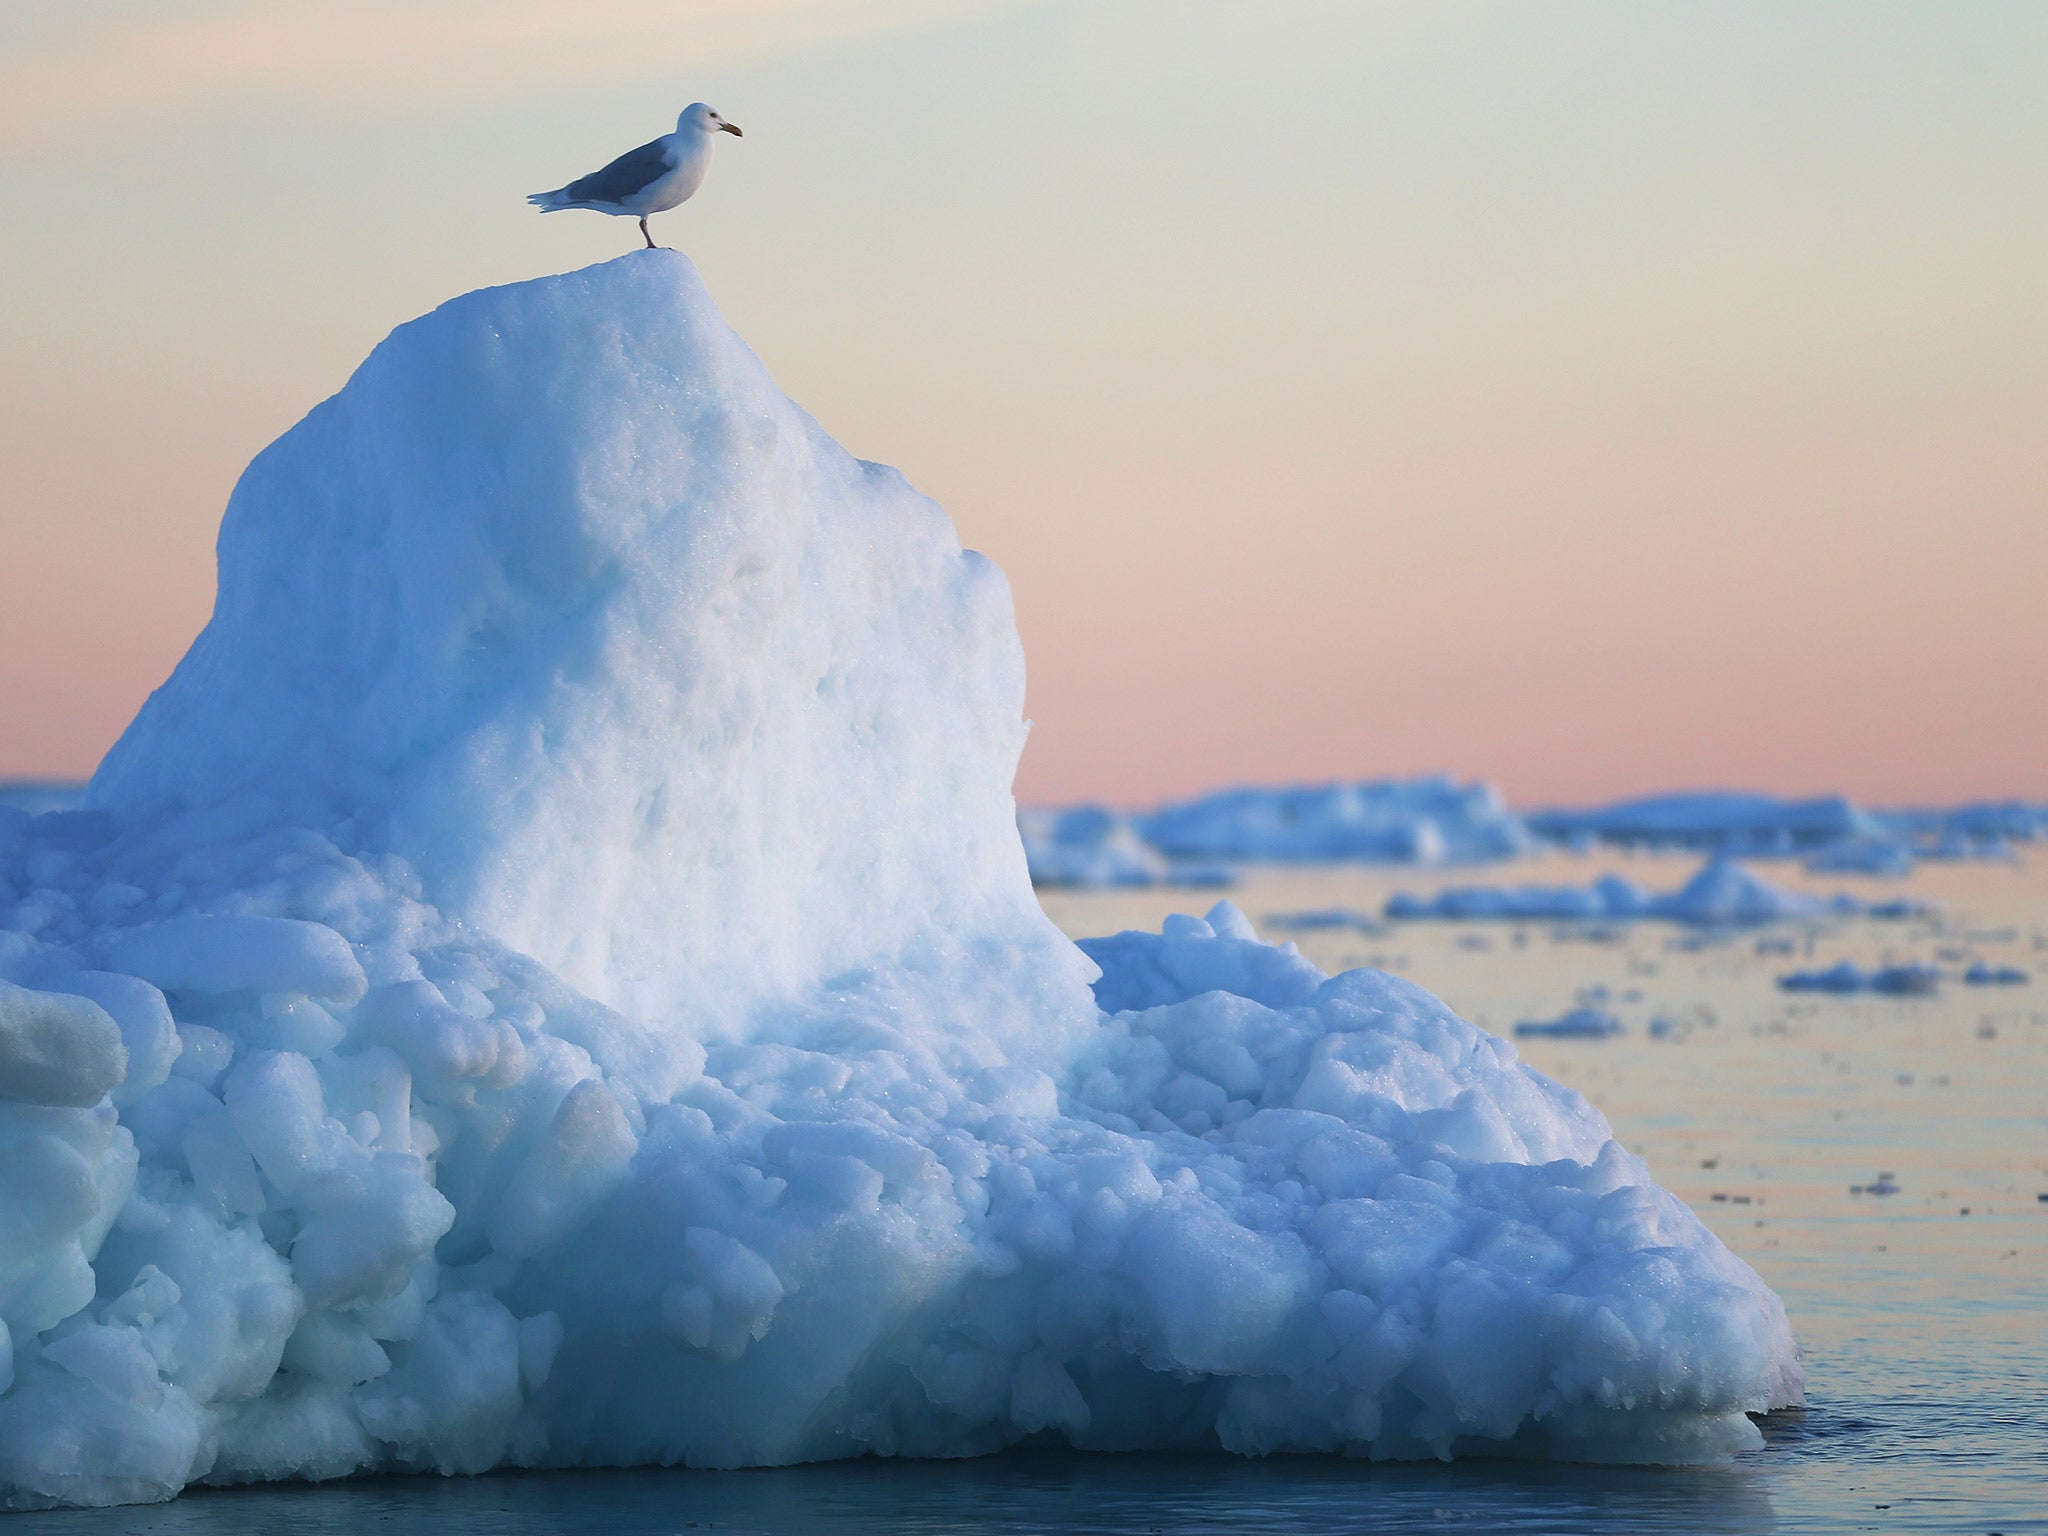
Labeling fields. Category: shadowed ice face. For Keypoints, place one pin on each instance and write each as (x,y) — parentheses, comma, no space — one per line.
(698,118)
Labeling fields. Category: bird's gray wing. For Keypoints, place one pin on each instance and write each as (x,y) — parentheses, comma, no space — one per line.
(633,170)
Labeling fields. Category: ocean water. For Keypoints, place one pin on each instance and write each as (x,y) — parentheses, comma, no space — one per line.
(1923,1313)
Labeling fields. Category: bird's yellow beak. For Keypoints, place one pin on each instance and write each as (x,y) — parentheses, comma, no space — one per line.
(731,128)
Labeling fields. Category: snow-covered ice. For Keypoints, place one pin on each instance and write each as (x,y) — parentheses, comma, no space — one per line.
(553,979)
(1436,820)
(1889,859)
(1318,919)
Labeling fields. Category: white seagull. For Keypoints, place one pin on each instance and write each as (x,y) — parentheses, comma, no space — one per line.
(651,179)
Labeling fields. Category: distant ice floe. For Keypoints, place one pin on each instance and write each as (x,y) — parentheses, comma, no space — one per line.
(1910,980)
(1425,821)
(1436,820)
(1913,980)
(1325,920)
(1091,846)
(1833,833)
(34,797)
(1722,893)
(1982,974)
(1578,1024)
(552,980)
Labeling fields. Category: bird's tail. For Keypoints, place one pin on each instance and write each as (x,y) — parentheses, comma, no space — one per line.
(550,202)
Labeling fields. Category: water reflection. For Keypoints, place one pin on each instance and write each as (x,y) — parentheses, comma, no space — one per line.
(993,1496)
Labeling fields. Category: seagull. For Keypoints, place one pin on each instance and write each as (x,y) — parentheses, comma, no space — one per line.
(651,179)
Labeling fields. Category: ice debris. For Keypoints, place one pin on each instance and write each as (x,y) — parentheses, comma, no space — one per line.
(1912,980)
(1984,974)
(552,979)
(1577,1024)
(1325,920)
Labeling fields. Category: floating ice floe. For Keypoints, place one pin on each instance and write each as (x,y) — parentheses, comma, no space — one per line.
(1717,821)
(1982,974)
(1722,893)
(1324,920)
(35,796)
(1432,820)
(1578,1024)
(552,979)
(1883,857)
(1833,833)
(1847,976)
(1436,820)
(1090,846)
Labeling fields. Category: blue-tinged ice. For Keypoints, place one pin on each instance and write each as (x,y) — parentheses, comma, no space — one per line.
(1576,1024)
(1723,893)
(552,979)
(1845,976)
(1834,834)
(1432,820)
(1093,847)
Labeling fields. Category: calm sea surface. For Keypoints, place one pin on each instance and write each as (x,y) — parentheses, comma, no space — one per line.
(1923,1313)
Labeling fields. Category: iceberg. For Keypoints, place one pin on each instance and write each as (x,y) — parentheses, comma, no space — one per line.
(552,979)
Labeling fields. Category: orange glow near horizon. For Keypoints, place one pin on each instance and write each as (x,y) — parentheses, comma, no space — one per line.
(1594,400)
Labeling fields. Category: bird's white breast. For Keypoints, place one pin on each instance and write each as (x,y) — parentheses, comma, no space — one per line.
(692,160)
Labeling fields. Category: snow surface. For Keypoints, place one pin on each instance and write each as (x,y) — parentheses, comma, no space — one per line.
(552,979)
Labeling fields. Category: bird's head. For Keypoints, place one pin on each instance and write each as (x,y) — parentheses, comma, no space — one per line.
(698,118)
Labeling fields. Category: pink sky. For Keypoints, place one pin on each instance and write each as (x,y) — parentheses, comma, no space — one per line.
(1592,398)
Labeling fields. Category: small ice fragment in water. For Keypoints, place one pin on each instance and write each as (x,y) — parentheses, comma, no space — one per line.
(1579,1024)
(1982,975)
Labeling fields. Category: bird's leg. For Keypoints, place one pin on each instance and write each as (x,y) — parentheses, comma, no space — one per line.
(644,234)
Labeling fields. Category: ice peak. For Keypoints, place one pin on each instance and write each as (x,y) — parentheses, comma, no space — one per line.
(563,601)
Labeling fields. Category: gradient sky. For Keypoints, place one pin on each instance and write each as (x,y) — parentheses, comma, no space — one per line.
(1594,398)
